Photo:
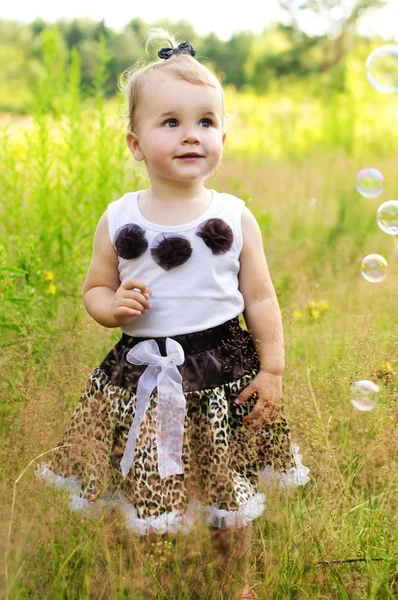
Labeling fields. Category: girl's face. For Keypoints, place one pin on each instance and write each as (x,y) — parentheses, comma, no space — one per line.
(178,130)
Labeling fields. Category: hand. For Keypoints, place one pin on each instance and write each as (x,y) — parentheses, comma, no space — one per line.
(131,300)
(269,391)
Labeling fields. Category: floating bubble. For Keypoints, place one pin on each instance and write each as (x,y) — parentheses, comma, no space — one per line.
(364,394)
(382,68)
(374,268)
(387,217)
(370,183)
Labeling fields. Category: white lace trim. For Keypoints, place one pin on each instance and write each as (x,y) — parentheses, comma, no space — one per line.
(173,522)
(170,522)
(79,504)
(293,477)
(224,519)
(70,484)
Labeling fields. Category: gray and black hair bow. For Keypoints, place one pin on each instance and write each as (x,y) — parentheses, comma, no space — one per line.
(183,48)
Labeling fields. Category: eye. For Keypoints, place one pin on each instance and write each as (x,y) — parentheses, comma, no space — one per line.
(206,122)
(170,123)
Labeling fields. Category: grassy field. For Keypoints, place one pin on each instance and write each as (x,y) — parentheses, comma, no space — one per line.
(333,539)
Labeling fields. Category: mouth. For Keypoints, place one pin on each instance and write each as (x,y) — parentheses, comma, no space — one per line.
(190,155)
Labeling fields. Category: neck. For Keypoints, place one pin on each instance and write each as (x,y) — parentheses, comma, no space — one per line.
(168,190)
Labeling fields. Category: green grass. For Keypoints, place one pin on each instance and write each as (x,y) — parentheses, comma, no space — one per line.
(333,539)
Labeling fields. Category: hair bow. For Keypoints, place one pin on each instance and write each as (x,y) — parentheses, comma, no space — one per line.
(183,48)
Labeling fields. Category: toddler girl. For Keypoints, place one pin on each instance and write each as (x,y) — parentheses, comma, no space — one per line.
(184,414)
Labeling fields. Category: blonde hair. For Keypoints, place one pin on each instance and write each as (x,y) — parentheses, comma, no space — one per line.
(181,65)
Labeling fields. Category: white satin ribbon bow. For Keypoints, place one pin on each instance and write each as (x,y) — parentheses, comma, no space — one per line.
(162,373)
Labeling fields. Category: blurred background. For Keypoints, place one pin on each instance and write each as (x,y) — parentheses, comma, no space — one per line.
(256,47)
(312,148)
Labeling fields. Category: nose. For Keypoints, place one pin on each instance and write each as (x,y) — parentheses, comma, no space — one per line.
(190,136)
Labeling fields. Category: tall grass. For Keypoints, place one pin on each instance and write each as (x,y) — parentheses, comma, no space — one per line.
(335,538)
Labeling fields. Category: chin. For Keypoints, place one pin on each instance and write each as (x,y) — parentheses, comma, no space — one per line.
(189,177)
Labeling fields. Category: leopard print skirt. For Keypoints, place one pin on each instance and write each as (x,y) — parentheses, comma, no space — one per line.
(223,462)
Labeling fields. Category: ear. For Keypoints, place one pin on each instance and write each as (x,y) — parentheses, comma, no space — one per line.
(224,137)
(134,145)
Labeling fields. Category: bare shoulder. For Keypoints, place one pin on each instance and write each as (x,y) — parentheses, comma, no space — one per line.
(251,231)
(103,269)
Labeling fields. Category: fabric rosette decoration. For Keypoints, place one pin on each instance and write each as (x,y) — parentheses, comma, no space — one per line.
(217,235)
(130,241)
(171,250)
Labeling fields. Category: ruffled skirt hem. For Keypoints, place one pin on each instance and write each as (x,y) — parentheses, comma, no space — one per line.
(173,522)
(293,477)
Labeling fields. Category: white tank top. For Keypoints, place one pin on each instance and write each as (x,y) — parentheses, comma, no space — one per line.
(191,269)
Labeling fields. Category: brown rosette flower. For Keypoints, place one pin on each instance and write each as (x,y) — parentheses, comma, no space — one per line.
(171,250)
(217,235)
(130,241)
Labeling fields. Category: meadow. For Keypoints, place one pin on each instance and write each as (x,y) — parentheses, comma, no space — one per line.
(293,156)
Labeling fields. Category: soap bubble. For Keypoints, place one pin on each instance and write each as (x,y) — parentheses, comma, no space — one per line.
(370,183)
(374,268)
(364,394)
(387,217)
(382,68)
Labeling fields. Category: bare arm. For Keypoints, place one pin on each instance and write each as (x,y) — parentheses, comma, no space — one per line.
(261,313)
(105,299)
(264,321)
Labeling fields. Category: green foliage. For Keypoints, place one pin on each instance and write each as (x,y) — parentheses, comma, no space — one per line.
(281,55)
(59,171)
(25,294)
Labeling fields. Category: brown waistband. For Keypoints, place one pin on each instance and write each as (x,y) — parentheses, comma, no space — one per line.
(213,356)
(191,343)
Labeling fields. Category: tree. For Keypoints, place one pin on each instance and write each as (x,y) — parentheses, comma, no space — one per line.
(342,17)
(212,51)
(276,54)
(237,51)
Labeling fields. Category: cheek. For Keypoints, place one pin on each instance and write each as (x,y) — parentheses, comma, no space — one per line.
(216,145)
(162,147)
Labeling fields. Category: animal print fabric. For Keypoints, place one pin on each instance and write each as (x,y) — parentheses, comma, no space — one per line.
(222,459)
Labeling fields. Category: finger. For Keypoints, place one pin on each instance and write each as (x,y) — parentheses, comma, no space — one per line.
(132,283)
(272,410)
(125,311)
(141,305)
(254,414)
(255,424)
(129,296)
(270,416)
(245,394)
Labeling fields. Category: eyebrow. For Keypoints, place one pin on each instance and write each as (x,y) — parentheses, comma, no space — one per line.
(172,113)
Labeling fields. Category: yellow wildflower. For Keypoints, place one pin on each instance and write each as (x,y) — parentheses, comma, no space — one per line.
(317,309)
(297,315)
(385,372)
(386,366)
(323,306)
(51,289)
(48,276)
